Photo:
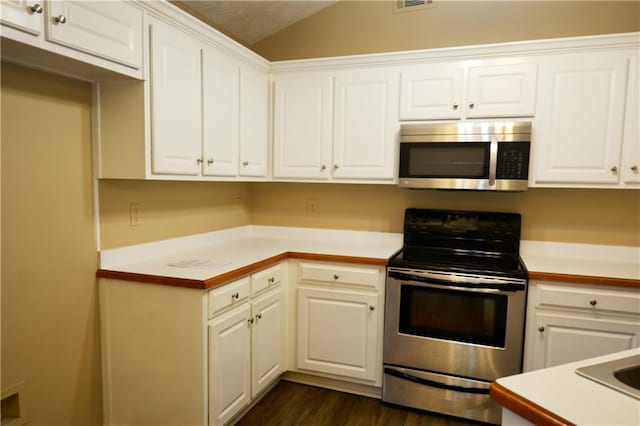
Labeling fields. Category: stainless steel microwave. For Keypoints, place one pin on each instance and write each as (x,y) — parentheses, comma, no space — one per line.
(490,156)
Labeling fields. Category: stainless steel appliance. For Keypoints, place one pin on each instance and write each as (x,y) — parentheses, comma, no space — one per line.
(454,312)
(469,155)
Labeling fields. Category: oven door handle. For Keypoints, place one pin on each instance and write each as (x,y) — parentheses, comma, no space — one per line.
(444,283)
(432,383)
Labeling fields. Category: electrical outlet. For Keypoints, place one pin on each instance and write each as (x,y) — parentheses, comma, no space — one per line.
(135,218)
(313,205)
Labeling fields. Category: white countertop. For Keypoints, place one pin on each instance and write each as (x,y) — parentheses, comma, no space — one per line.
(575,398)
(207,255)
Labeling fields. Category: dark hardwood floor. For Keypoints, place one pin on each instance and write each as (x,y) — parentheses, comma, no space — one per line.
(295,404)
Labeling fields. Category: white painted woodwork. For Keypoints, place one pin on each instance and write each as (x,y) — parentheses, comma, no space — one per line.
(431,91)
(566,338)
(108,29)
(338,332)
(505,90)
(578,129)
(176,109)
(266,279)
(229,364)
(221,114)
(329,273)
(228,295)
(365,124)
(631,143)
(267,340)
(254,122)
(302,127)
(18,14)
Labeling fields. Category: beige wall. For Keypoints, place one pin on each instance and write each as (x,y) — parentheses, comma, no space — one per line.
(169,209)
(354,27)
(583,216)
(50,338)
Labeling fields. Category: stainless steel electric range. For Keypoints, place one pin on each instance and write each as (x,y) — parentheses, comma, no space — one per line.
(454,312)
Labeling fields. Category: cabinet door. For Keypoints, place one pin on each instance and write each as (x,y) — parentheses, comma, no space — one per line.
(338,332)
(229,364)
(365,125)
(176,134)
(221,114)
(25,15)
(254,125)
(501,91)
(562,339)
(631,144)
(431,92)
(267,343)
(108,29)
(578,129)
(302,127)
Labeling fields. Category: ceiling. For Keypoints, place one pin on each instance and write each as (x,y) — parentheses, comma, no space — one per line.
(251,21)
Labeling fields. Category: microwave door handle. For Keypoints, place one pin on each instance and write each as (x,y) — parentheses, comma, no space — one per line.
(493,161)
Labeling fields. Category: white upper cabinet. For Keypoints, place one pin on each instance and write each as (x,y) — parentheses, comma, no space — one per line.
(176,114)
(456,91)
(24,15)
(581,112)
(254,122)
(221,114)
(631,139)
(365,124)
(109,29)
(302,127)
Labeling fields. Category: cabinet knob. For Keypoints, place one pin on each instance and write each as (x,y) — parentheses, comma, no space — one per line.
(258,316)
(235,296)
(199,161)
(455,105)
(36,8)
(634,168)
(372,308)
(614,169)
(541,329)
(323,168)
(250,320)
(271,280)
(335,276)
(60,19)
(471,105)
(593,302)
(336,166)
(245,163)
(210,161)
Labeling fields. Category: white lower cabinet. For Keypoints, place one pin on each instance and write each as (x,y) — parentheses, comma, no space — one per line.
(340,320)
(571,322)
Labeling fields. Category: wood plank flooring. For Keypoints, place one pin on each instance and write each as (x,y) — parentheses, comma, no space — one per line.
(289,404)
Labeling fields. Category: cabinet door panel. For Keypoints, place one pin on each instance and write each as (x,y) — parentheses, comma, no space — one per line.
(502,91)
(431,92)
(254,125)
(579,124)
(221,114)
(229,365)
(365,125)
(267,341)
(566,339)
(631,144)
(18,14)
(302,127)
(112,30)
(176,134)
(337,332)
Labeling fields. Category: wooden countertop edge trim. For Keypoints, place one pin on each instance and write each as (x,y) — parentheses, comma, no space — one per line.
(524,408)
(584,279)
(236,273)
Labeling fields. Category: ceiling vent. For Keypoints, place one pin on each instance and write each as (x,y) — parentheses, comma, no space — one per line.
(410,5)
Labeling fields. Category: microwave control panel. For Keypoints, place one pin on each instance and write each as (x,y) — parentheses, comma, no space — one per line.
(513,160)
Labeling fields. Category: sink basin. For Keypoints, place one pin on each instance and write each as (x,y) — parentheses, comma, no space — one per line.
(622,375)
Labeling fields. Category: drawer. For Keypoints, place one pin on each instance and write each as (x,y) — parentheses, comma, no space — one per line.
(228,295)
(266,278)
(624,301)
(338,274)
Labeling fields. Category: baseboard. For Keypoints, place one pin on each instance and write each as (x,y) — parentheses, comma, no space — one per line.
(334,384)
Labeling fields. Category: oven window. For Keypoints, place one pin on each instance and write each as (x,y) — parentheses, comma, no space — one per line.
(462,316)
(445,160)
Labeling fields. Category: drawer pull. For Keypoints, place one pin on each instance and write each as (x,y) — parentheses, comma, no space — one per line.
(250,320)
(371,308)
(235,296)
(60,19)
(593,302)
(336,277)
(541,329)
(36,8)
(271,280)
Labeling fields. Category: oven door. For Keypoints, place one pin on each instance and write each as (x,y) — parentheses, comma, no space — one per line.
(464,325)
